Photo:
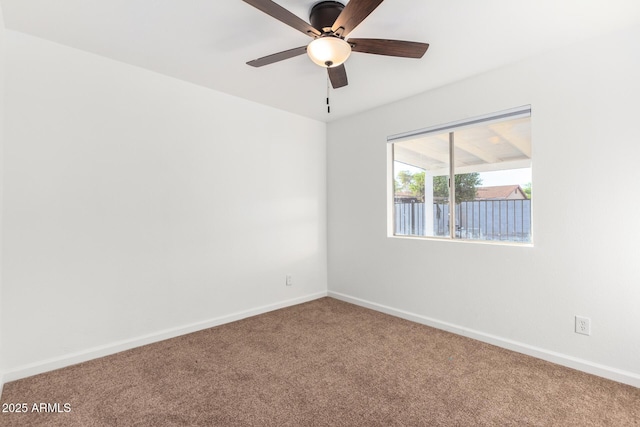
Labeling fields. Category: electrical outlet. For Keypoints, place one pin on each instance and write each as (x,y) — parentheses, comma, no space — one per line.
(583,325)
(288,280)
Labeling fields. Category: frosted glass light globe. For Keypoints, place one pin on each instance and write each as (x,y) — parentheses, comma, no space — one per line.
(328,51)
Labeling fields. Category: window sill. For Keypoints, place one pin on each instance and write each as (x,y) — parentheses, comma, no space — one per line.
(474,242)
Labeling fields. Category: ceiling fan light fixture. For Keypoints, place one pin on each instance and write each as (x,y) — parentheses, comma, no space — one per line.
(329,51)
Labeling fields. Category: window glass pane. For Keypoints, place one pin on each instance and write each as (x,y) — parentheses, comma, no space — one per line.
(493,181)
(421,192)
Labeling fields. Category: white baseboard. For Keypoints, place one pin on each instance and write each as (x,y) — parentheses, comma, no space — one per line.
(116,347)
(608,372)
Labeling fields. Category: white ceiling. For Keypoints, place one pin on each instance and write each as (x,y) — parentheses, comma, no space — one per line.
(502,145)
(208,42)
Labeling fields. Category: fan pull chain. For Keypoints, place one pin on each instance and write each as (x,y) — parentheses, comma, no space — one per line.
(328,106)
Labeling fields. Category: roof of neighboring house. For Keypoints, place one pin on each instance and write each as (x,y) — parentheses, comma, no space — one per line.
(406,196)
(500,192)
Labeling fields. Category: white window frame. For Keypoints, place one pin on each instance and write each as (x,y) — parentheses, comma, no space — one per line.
(451,127)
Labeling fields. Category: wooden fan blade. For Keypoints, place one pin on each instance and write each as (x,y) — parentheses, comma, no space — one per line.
(280,56)
(338,76)
(401,48)
(283,15)
(353,14)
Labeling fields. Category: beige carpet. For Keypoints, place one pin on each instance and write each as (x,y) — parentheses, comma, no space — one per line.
(323,363)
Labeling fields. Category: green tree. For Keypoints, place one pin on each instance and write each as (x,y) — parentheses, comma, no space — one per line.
(416,186)
(402,181)
(410,183)
(466,185)
(413,183)
(527,190)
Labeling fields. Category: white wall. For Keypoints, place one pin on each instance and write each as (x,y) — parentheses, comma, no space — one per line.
(585,112)
(138,207)
(1,176)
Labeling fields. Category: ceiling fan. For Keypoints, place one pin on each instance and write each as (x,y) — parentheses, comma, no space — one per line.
(330,23)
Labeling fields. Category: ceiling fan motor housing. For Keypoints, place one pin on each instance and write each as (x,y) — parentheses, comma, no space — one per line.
(324,14)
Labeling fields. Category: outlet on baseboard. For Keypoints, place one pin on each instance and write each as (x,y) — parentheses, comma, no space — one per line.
(288,280)
(583,325)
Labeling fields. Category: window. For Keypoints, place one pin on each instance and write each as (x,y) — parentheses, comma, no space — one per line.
(489,196)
